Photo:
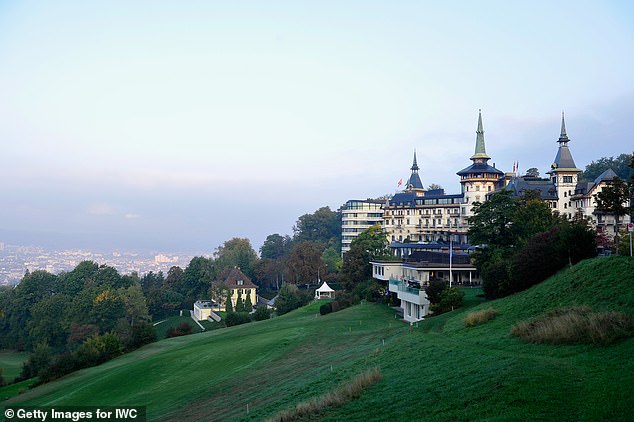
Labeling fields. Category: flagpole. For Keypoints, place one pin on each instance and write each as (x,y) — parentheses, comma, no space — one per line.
(450,260)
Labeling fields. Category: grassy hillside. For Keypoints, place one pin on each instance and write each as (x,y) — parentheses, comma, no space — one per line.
(441,371)
(11,363)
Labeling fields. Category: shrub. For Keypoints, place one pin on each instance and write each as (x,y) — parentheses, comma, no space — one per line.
(183,329)
(434,290)
(142,333)
(450,298)
(369,290)
(237,318)
(326,308)
(480,317)
(334,306)
(578,325)
(262,313)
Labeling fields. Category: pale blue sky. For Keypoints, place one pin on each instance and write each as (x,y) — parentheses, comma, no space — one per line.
(178,125)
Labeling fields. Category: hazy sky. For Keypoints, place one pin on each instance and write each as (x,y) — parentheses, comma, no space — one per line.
(177,125)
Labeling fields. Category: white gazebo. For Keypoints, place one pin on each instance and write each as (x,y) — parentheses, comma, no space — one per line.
(324,292)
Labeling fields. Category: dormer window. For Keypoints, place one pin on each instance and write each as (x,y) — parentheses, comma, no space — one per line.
(240,282)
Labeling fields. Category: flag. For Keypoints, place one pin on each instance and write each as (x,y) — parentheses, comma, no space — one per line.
(400,182)
(514,167)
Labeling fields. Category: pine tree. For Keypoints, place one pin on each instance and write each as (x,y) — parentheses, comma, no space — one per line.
(229,305)
(239,303)
(248,306)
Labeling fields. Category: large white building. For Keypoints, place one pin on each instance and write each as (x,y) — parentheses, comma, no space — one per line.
(358,215)
(419,215)
(418,221)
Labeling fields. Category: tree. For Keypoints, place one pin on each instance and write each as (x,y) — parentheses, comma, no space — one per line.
(434,290)
(492,221)
(37,361)
(304,263)
(136,310)
(332,259)
(197,278)
(532,216)
(612,200)
(620,165)
(434,186)
(228,303)
(236,252)
(48,322)
(323,226)
(521,240)
(248,305)
(270,272)
(532,172)
(109,277)
(371,244)
(450,299)
(72,282)
(107,308)
(36,286)
(275,246)
(218,293)
(239,302)
(174,278)
(289,298)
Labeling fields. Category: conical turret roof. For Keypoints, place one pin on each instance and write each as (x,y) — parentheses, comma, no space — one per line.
(563,160)
(480,150)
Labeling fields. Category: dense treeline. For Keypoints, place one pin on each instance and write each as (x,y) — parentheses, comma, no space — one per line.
(522,242)
(88,315)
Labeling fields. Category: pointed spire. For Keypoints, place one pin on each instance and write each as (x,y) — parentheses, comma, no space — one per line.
(480,150)
(563,161)
(414,181)
(563,137)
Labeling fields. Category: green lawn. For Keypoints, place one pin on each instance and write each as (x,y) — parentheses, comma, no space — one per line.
(441,371)
(11,362)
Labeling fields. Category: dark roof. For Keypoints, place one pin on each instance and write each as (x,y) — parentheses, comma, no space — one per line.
(609,174)
(231,277)
(414,181)
(403,198)
(564,160)
(545,187)
(479,168)
(438,257)
(430,246)
(409,198)
(583,187)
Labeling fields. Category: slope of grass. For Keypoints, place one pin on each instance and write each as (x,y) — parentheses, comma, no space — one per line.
(11,363)
(441,371)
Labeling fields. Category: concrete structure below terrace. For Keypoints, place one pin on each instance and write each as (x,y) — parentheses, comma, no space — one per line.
(409,277)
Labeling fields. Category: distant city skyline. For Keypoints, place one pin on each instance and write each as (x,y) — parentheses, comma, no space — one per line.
(162,126)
